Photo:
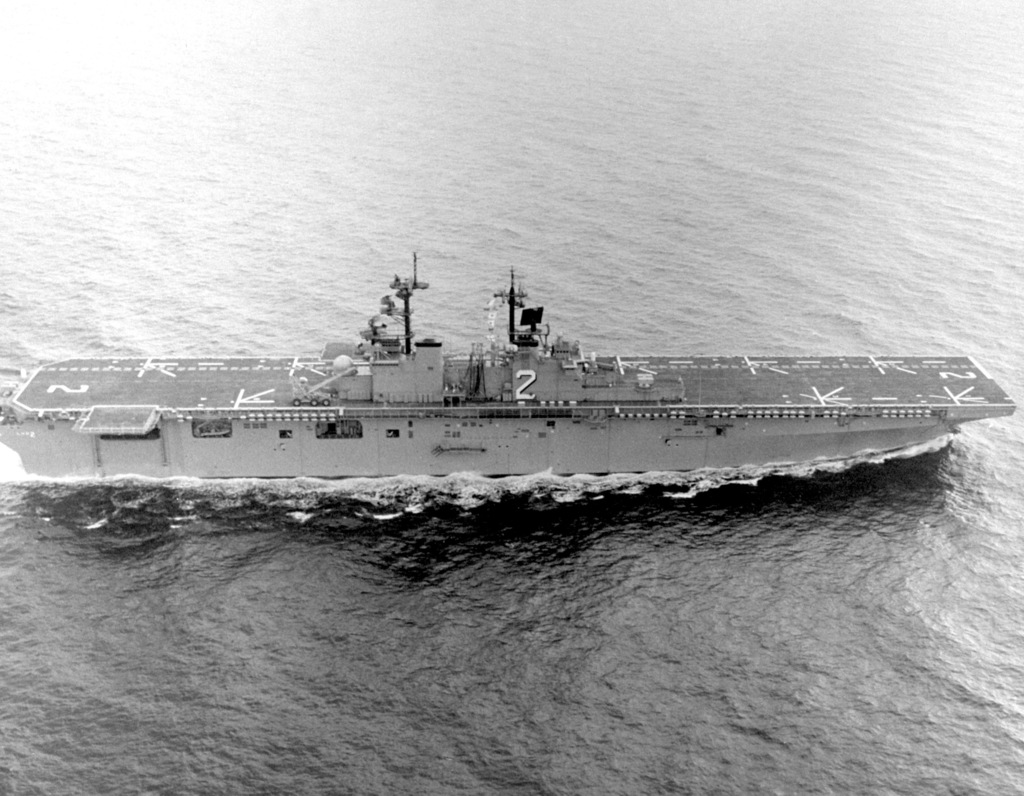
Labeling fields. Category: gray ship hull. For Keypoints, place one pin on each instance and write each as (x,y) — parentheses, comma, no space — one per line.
(592,442)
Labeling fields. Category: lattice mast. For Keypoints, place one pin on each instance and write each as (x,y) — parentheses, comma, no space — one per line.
(403,289)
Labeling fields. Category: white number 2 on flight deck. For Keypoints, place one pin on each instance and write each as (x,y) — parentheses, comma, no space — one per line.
(528,377)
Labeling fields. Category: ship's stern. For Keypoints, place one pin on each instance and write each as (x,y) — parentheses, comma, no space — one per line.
(11,382)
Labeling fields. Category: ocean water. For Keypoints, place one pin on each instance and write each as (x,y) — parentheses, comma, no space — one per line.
(782,177)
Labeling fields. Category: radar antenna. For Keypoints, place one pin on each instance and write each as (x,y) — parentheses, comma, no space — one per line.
(514,299)
(403,289)
(531,317)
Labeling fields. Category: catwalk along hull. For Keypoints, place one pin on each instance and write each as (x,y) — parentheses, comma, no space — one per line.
(393,405)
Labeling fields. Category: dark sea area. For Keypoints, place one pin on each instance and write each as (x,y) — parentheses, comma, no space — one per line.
(784,177)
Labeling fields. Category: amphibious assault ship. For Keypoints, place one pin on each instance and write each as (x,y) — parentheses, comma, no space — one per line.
(519,402)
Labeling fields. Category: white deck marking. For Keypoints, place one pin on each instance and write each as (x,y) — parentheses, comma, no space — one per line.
(298,364)
(879,398)
(253,399)
(979,368)
(829,398)
(962,397)
(753,364)
(945,374)
(149,364)
(54,387)
(895,364)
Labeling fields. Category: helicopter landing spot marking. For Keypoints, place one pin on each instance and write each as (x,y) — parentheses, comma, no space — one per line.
(895,364)
(829,398)
(298,364)
(149,365)
(962,397)
(754,364)
(253,399)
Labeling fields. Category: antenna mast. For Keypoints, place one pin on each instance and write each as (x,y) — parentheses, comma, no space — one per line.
(403,289)
(515,301)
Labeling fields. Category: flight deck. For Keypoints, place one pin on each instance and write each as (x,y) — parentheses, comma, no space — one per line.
(241,383)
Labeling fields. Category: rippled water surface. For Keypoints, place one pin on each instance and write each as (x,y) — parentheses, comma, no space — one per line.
(789,177)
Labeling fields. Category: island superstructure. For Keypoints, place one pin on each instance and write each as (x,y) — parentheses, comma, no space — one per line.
(521,401)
